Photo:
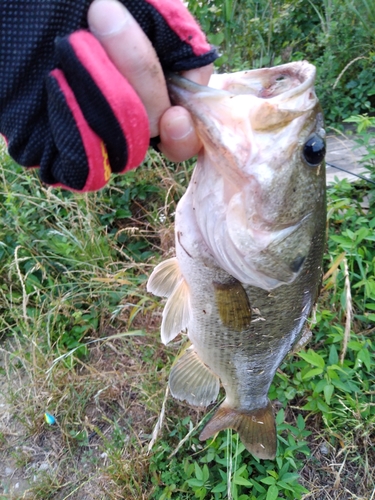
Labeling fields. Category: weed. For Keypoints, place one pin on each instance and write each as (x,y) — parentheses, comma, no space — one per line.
(224,469)
(77,328)
(337,37)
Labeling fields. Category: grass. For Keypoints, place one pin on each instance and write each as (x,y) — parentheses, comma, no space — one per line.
(79,339)
(79,334)
(336,36)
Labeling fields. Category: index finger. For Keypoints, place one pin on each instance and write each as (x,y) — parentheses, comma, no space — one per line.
(133,54)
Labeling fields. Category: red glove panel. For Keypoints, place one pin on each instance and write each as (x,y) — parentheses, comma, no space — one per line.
(98,122)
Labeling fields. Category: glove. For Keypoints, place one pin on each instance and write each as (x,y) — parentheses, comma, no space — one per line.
(64,106)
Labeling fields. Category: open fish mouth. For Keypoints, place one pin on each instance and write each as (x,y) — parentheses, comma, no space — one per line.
(289,86)
(288,79)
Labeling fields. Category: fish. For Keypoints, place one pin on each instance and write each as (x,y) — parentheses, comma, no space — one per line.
(249,240)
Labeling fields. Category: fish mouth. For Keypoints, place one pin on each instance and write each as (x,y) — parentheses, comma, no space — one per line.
(281,83)
(234,106)
(178,87)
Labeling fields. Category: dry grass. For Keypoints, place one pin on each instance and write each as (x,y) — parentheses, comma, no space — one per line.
(333,473)
(104,413)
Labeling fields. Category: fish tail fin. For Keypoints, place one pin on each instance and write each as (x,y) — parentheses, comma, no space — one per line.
(256,428)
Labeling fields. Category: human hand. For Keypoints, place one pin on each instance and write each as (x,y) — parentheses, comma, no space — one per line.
(134,56)
(79,116)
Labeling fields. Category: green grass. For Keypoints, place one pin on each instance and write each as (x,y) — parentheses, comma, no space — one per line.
(336,36)
(77,328)
(79,339)
(79,334)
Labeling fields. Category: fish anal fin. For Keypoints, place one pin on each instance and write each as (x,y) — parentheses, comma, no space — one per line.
(164,278)
(176,312)
(256,428)
(191,380)
(233,305)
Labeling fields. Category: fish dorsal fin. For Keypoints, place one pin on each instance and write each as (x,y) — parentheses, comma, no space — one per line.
(176,312)
(164,278)
(257,429)
(191,380)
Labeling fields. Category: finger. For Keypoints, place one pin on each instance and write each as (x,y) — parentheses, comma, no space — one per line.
(199,75)
(133,55)
(179,140)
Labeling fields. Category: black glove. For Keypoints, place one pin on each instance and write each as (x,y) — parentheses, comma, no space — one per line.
(63,104)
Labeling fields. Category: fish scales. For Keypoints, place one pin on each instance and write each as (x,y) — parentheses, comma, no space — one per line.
(249,243)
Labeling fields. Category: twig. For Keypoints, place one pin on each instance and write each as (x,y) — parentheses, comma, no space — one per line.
(159,423)
(24,294)
(338,474)
(348,320)
(334,266)
(346,67)
(183,440)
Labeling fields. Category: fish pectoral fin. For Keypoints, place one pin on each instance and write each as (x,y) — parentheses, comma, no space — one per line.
(191,380)
(164,278)
(233,305)
(257,429)
(176,312)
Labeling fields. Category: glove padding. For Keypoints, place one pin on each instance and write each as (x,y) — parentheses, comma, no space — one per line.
(82,120)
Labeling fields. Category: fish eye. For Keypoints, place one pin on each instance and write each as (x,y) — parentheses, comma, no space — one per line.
(314,150)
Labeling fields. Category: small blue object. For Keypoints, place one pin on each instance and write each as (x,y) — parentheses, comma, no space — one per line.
(50,419)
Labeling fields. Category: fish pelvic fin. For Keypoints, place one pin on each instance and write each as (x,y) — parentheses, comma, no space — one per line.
(256,428)
(193,381)
(164,278)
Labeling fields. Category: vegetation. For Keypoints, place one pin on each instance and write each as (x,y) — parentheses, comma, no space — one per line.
(335,35)
(79,334)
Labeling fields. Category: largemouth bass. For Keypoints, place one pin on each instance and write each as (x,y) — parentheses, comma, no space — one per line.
(249,243)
